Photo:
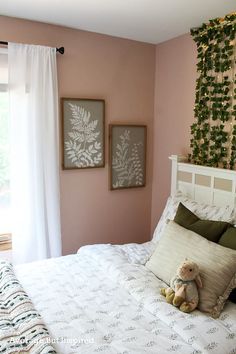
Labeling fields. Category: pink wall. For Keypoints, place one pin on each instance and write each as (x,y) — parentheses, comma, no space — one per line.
(173,114)
(122,72)
(125,73)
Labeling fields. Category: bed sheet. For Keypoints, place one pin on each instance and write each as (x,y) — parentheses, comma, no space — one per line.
(104,300)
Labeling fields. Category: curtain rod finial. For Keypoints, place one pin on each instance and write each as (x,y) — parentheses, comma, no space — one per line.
(61,50)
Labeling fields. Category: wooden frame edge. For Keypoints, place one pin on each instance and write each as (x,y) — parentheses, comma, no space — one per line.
(62,99)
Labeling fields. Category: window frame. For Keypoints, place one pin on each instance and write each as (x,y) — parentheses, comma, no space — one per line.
(5,244)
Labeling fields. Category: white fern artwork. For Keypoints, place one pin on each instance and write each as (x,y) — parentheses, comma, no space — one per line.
(128,162)
(83,147)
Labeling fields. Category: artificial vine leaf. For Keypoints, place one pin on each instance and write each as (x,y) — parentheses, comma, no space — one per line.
(212,142)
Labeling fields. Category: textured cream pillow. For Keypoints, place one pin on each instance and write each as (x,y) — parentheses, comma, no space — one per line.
(217,264)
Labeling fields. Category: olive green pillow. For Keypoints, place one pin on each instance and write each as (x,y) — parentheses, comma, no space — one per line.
(211,230)
(228,239)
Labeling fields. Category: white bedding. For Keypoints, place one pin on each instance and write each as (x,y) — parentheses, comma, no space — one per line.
(103,300)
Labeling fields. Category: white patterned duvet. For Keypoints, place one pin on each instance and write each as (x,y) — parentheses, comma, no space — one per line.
(103,300)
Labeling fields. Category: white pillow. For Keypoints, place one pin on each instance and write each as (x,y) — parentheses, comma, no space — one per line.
(217,264)
(203,211)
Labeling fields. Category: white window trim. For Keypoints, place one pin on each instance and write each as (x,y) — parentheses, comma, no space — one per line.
(3,87)
(5,238)
(3,50)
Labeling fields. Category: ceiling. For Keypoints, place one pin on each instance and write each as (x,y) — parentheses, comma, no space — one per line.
(151,21)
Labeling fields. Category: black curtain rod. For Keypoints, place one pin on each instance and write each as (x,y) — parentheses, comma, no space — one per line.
(60,50)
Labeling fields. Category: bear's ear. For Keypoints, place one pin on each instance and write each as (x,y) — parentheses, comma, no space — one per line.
(198,281)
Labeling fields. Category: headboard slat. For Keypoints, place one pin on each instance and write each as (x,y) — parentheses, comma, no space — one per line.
(193,180)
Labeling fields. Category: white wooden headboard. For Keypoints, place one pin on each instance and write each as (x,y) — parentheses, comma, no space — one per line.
(214,186)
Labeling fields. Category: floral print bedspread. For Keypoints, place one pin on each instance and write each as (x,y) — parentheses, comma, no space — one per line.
(104,300)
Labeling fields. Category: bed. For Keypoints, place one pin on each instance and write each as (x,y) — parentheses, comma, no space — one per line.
(104,300)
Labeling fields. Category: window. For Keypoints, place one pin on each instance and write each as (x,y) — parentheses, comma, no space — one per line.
(5,224)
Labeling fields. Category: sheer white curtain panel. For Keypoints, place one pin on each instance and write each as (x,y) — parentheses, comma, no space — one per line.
(33,95)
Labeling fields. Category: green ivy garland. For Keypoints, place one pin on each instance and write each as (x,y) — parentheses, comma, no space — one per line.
(213,141)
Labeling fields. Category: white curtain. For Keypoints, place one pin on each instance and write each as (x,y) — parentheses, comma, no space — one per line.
(33,97)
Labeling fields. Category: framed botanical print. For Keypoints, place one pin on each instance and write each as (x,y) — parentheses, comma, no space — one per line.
(127,155)
(83,133)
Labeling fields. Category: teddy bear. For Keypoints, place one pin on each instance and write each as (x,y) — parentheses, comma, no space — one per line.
(183,290)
